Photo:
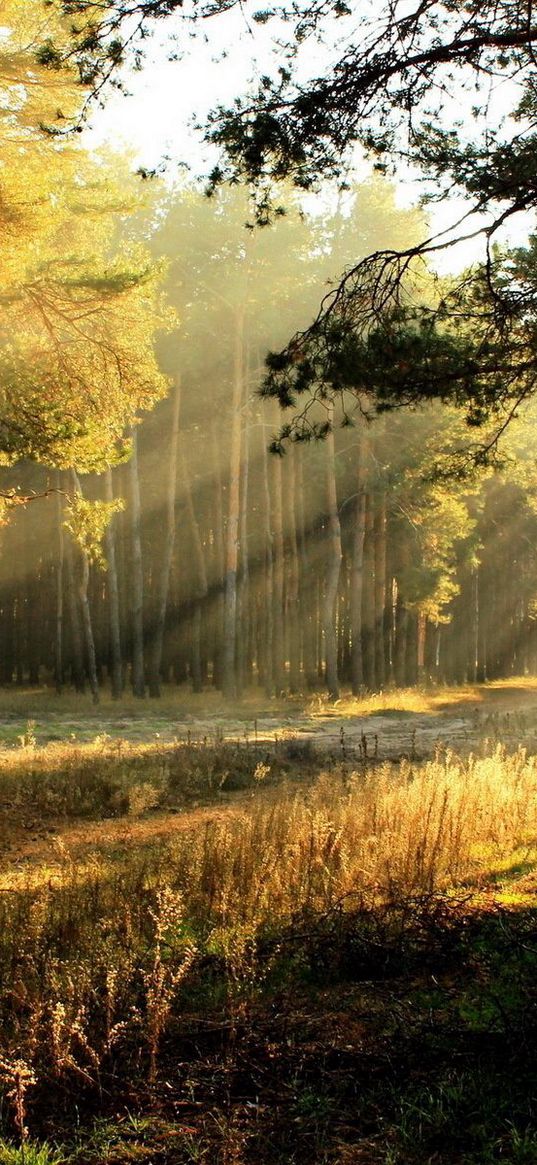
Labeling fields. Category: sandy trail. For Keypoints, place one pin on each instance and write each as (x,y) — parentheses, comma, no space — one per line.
(468,721)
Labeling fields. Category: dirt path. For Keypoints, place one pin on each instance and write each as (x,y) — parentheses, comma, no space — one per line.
(463,720)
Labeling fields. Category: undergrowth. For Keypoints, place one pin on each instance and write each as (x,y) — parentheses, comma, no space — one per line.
(326,974)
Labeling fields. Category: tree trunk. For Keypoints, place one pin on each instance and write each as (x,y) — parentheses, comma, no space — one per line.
(278,637)
(219,560)
(169,543)
(85,607)
(77,654)
(268,575)
(232,531)
(137,678)
(201,578)
(59,587)
(307,610)
(421,641)
(243,621)
(293,604)
(116,662)
(357,575)
(333,568)
(380,590)
(368,599)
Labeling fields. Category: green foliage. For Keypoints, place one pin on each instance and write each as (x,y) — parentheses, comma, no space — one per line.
(30,1154)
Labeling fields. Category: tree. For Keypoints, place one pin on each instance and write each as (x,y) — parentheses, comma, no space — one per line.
(79,311)
(394,92)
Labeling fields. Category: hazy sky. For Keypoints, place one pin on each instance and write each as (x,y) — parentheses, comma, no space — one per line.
(156,120)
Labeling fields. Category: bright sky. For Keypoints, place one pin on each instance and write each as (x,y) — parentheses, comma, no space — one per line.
(156,120)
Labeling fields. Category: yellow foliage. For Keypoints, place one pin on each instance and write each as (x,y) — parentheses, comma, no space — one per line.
(78,312)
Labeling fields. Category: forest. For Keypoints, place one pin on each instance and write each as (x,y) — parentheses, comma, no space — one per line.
(268,583)
(355,560)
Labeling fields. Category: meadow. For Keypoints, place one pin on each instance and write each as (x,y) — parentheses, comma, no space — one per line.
(268,949)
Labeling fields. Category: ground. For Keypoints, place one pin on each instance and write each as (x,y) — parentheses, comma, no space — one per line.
(365,929)
(393,722)
(402,723)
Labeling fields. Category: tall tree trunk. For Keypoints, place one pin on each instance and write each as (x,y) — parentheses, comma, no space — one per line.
(278,636)
(293,605)
(243,621)
(357,574)
(333,567)
(138,678)
(77,653)
(201,577)
(116,661)
(219,561)
(368,598)
(59,586)
(476,625)
(169,543)
(268,574)
(380,590)
(85,608)
(232,530)
(307,607)
(421,645)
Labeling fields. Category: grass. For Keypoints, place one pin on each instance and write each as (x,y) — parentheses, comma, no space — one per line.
(250,955)
(420,700)
(71,715)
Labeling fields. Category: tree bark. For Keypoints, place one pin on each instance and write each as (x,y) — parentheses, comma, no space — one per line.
(59,586)
(77,654)
(278,636)
(380,590)
(333,568)
(201,577)
(268,579)
(137,595)
(218,560)
(116,662)
(243,621)
(85,607)
(357,575)
(232,530)
(169,544)
(293,603)
(368,598)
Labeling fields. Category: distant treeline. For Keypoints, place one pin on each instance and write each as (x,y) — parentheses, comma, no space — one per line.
(232,566)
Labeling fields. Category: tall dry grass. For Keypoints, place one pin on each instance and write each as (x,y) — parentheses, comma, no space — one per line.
(98,963)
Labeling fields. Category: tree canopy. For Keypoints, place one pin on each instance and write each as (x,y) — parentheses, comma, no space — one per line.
(79,308)
(447,87)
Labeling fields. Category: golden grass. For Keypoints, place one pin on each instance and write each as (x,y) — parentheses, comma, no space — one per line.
(426,700)
(96,948)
